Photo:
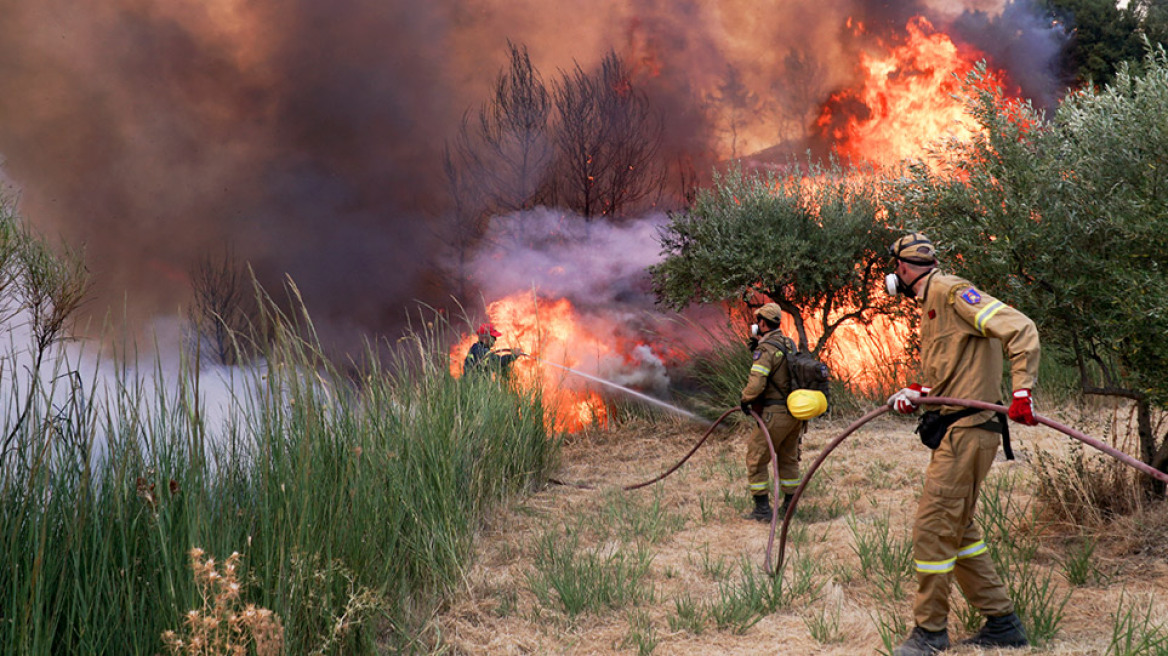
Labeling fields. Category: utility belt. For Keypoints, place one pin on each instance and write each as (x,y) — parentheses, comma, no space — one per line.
(933,425)
(759,403)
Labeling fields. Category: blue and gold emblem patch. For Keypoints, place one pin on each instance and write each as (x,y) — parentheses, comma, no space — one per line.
(971,296)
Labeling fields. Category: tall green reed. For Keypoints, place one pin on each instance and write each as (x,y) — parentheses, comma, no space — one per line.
(353,496)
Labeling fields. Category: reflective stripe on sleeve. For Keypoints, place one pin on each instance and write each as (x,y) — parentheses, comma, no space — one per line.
(760,369)
(975,549)
(986,314)
(935,567)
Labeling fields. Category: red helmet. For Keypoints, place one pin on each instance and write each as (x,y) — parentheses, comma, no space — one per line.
(487,329)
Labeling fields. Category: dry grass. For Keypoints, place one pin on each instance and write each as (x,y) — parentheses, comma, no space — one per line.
(873,477)
(224,625)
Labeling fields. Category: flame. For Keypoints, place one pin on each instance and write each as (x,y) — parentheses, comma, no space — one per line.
(550,330)
(905,100)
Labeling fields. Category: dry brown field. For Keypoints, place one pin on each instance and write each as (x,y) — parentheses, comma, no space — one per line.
(690,527)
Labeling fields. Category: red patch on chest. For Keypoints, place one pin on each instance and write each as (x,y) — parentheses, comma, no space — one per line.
(932,314)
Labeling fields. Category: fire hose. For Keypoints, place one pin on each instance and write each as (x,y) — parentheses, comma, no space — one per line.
(934,400)
(679,463)
(838,439)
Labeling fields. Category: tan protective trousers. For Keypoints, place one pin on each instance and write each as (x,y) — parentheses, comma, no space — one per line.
(946,541)
(786,433)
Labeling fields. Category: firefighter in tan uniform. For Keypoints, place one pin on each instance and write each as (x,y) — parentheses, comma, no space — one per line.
(766,391)
(964,332)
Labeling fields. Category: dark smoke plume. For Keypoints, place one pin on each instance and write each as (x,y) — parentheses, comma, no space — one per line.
(307,135)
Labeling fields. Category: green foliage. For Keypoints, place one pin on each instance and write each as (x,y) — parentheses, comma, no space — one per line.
(892,627)
(1068,221)
(354,504)
(715,371)
(1106,35)
(690,615)
(885,560)
(1004,523)
(824,625)
(1079,563)
(642,636)
(587,581)
(636,519)
(1103,35)
(809,242)
(1134,632)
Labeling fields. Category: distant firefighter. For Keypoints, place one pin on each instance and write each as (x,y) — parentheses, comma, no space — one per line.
(766,393)
(481,358)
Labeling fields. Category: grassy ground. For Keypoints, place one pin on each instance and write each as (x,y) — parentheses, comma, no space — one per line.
(673,569)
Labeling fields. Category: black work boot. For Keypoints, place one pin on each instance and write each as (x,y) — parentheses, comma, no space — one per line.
(786,504)
(762,509)
(1003,631)
(923,643)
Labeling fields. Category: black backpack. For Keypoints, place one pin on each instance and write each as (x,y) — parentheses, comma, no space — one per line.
(806,370)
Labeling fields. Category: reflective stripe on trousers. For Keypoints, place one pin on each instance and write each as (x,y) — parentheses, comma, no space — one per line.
(947,543)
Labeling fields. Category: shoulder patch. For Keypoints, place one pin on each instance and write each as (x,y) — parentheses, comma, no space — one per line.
(971,296)
(758,354)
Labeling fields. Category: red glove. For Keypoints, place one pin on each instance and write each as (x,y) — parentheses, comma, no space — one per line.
(906,400)
(1021,410)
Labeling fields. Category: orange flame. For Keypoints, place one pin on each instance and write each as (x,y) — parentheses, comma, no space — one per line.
(905,100)
(549,330)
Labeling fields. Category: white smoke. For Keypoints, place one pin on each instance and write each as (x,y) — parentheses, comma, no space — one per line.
(589,262)
(601,268)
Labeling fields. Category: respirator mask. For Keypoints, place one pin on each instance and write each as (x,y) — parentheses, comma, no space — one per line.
(894,284)
(754,330)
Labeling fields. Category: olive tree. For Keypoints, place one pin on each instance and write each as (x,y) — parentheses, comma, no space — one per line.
(1068,220)
(809,242)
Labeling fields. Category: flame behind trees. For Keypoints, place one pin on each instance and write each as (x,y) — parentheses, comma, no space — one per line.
(607,140)
(1069,221)
(808,243)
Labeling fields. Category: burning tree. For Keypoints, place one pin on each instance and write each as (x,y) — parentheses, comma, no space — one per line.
(810,243)
(1068,220)
(799,88)
(606,139)
(499,160)
(506,149)
(736,102)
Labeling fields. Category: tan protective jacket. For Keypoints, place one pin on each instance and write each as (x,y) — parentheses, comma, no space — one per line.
(963,332)
(769,366)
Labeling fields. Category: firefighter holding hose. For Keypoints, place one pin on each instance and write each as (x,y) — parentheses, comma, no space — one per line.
(766,391)
(963,333)
(481,358)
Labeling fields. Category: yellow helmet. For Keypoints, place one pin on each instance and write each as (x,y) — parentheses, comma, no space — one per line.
(914,248)
(806,404)
(771,312)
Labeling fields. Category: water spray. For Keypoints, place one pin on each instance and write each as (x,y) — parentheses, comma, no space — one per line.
(633,392)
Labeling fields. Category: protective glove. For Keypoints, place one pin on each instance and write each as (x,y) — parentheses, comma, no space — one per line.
(745,405)
(906,400)
(752,344)
(1021,409)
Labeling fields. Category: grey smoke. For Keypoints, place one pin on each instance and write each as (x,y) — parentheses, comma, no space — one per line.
(307,134)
